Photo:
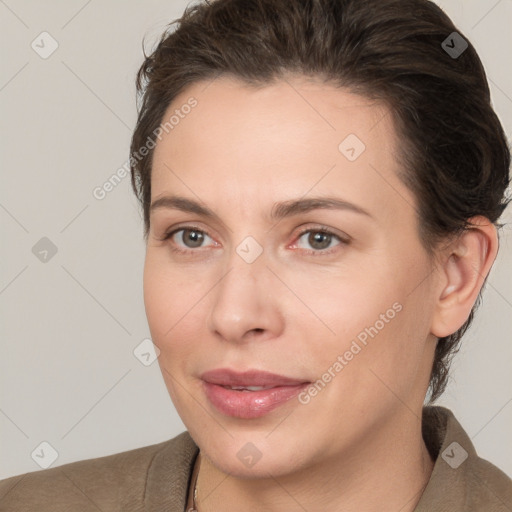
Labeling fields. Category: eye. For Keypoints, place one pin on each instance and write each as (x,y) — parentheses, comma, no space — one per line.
(188,237)
(320,240)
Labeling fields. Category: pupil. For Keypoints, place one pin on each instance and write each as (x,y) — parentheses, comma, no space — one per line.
(317,240)
(195,237)
(322,238)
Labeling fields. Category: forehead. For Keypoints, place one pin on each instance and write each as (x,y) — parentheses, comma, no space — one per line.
(290,136)
(304,106)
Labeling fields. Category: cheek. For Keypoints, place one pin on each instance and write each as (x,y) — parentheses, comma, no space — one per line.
(369,328)
(341,304)
(169,294)
(174,311)
(158,298)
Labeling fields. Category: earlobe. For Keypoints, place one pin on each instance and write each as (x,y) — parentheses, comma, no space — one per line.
(465,266)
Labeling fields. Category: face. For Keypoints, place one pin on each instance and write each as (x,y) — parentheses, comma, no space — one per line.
(334,295)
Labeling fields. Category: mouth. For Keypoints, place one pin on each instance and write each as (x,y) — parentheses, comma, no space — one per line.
(249,394)
(248,379)
(248,388)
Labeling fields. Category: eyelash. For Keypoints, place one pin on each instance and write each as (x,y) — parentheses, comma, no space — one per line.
(322,229)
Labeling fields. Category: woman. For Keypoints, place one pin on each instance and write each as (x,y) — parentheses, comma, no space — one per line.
(321,183)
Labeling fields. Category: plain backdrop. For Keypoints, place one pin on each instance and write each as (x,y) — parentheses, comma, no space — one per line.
(70,323)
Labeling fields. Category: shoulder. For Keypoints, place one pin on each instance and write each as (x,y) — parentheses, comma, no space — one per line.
(108,483)
(461,480)
(490,488)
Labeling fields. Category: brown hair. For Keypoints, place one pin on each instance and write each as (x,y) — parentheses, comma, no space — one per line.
(454,153)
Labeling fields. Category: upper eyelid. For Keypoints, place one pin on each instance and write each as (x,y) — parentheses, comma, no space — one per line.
(190,227)
(319,228)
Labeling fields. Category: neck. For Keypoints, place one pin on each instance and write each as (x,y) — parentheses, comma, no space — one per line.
(389,471)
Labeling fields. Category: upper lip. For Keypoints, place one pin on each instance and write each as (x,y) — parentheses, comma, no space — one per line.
(228,377)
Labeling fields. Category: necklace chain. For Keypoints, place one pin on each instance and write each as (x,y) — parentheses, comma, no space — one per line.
(194,493)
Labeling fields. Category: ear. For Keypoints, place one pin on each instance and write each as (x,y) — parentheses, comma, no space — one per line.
(463,268)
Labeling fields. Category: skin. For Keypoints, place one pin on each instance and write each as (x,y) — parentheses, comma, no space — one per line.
(293,313)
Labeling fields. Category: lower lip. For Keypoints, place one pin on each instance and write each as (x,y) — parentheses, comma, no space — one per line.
(249,404)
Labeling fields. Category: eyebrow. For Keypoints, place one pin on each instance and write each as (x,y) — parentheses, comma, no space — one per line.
(279,210)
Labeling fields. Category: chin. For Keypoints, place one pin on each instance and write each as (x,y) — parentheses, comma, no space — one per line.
(253,456)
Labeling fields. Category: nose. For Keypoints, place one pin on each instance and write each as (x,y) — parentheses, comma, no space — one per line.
(245,304)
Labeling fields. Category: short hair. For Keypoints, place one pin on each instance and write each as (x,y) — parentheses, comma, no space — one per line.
(453,154)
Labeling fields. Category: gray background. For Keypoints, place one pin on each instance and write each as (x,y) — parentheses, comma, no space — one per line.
(68,375)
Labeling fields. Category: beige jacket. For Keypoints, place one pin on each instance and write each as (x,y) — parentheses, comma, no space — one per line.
(156,478)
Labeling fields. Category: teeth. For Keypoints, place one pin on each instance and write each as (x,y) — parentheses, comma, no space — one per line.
(248,388)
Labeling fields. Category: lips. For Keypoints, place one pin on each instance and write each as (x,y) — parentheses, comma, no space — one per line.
(249,378)
(249,394)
